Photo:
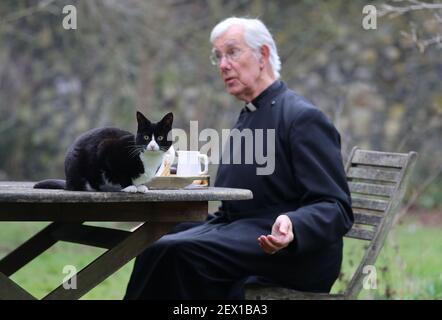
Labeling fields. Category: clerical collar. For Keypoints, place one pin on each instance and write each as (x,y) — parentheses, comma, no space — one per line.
(267,96)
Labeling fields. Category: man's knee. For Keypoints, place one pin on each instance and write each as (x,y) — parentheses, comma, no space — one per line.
(175,247)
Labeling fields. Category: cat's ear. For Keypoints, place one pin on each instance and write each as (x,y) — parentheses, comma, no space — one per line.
(142,120)
(167,120)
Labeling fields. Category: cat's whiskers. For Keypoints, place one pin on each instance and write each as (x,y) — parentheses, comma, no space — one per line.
(136,150)
(133,150)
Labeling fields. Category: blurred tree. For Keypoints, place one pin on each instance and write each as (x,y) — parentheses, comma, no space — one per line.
(429,25)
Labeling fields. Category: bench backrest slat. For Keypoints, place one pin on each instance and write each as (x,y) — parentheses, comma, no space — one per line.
(379,159)
(367,219)
(371,189)
(370,173)
(361,234)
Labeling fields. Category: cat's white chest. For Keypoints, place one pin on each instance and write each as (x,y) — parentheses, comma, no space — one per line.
(151,161)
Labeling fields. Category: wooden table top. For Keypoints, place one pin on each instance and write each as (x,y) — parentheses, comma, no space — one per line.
(23,192)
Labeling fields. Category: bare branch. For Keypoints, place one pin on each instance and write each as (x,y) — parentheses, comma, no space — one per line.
(394,11)
(414,5)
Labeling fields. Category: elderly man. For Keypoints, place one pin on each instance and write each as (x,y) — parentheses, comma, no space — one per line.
(290,234)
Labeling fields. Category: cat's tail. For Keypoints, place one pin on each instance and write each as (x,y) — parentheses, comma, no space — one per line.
(50,184)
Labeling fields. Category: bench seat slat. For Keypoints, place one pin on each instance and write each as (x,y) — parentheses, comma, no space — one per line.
(280,293)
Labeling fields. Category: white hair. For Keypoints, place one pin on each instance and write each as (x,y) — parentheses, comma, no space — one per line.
(256,35)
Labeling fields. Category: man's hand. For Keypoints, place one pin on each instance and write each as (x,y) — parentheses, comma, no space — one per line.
(282,235)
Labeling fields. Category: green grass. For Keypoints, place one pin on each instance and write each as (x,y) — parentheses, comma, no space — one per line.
(409,266)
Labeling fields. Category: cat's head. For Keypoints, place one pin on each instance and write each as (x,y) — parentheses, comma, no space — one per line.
(153,136)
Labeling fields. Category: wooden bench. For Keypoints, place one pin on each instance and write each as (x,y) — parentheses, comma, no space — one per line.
(377,182)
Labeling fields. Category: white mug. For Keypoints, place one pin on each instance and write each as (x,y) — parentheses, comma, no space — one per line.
(189,164)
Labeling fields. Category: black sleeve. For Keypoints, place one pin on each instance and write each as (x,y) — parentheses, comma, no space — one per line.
(325,214)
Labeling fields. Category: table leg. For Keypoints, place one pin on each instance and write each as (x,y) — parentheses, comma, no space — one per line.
(9,290)
(112,260)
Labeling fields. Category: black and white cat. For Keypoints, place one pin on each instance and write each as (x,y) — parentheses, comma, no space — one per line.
(110,159)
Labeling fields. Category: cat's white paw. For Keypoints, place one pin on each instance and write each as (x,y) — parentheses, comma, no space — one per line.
(142,189)
(131,189)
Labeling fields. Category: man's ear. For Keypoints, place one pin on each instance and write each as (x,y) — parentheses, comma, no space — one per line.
(265,53)
(141,119)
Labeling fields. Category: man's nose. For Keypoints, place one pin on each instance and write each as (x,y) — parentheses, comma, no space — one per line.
(224,63)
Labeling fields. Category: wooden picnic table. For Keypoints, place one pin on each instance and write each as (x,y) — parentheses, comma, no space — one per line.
(157,211)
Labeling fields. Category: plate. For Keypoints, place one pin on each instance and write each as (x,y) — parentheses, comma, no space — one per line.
(177,182)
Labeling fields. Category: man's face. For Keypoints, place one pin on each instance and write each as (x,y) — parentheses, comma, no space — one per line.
(239,66)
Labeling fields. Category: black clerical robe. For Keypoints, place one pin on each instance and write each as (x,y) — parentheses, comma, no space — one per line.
(305,180)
